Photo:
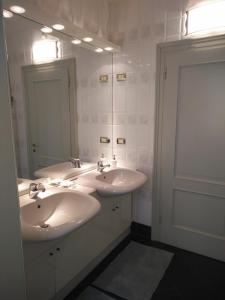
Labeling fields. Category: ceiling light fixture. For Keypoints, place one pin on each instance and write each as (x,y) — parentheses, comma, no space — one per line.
(99,50)
(87,39)
(46,29)
(108,48)
(206,19)
(17,9)
(76,42)
(58,27)
(7,14)
(46,50)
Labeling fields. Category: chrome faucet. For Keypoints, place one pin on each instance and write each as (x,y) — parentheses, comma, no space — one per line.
(75,162)
(101,166)
(35,189)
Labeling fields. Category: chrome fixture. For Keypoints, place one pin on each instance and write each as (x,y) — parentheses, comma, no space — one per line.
(101,166)
(35,189)
(75,162)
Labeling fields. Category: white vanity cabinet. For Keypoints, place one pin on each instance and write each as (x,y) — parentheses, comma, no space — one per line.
(53,267)
(40,278)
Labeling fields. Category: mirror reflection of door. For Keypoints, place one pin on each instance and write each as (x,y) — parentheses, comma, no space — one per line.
(51,113)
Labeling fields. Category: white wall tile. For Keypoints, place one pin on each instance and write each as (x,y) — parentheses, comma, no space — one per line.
(142,24)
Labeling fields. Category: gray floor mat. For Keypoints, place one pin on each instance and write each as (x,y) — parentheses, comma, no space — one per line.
(136,272)
(93,294)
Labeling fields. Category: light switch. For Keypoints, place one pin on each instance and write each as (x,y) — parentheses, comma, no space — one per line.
(121,141)
(103,78)
(121,77)
(104,140)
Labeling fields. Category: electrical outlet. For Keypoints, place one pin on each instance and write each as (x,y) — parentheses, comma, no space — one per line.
(104,78)
(121,77)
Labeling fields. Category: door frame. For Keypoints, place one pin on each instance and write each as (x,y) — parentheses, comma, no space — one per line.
(161,75)
(70,65)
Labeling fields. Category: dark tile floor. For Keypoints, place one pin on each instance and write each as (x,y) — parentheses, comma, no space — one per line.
(189,276)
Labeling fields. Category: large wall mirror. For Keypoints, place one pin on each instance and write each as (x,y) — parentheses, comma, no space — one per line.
(61,97)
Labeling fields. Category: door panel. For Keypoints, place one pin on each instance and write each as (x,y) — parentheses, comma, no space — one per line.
(200,122)
(50,113)
(49,100)
(191,150)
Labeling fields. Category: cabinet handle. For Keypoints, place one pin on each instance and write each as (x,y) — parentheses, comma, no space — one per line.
(51,254)
(57,249)
(117,207)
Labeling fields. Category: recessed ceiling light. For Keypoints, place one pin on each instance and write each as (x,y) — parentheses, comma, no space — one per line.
(87,39)
(108,48)
(7,14)
(58,27)
(98,50)
(17,9)
(46,29)
(76,41)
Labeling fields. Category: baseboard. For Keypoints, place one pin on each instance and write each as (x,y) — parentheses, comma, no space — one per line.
(141,231)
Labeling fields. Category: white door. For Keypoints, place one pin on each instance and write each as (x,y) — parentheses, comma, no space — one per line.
(48,100)
(190,169)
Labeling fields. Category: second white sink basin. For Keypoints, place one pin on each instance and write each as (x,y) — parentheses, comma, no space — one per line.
(56,214)
(118,181)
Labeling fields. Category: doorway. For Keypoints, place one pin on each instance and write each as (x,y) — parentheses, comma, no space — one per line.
(51,117)
(189,188)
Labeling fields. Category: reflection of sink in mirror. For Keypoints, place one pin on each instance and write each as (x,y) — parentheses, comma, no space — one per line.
(23,185)
(64,170)
(56,214)
(19,181)
(118,181)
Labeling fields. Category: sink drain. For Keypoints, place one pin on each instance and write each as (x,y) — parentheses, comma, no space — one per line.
(44,226)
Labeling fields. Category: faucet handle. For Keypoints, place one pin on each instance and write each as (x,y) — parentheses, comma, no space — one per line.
(41,187)
(75,162)
(100,163)
(33,187)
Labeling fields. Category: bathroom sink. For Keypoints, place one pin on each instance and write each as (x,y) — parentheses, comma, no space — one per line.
(117,181)
(64,170)
(56,214)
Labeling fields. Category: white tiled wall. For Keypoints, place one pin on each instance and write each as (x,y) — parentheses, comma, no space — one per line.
(138,25)
(94,99)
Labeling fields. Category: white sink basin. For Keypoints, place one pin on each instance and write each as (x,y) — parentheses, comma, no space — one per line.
(64,170)
(56,214)
(118,181)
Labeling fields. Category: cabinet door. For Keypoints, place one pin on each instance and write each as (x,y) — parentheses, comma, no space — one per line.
(40,278)
(125,204)
(79,248)
(121,215)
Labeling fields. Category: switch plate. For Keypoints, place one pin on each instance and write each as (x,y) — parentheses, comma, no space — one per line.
(121,141)
(104,78)
(121,77)
(104,140)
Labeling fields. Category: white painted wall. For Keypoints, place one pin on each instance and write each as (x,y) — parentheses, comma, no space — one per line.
(138,25)
(12,283)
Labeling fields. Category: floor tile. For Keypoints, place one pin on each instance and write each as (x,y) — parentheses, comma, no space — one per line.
(93,294)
